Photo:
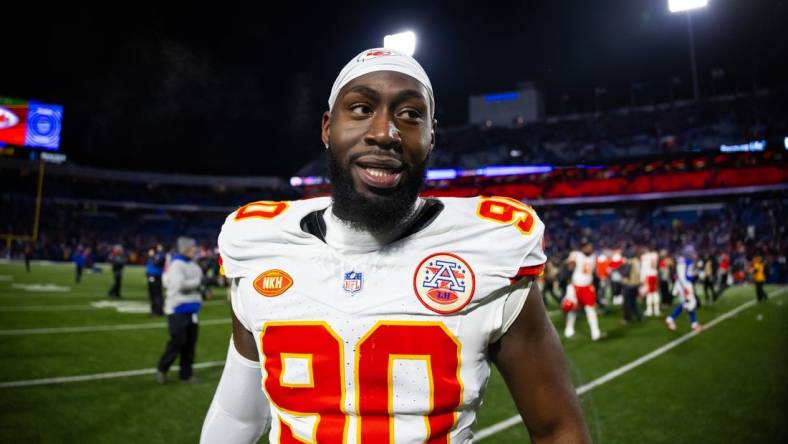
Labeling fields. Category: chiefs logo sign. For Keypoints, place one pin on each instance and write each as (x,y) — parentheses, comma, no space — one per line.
(373,54)
(444,283)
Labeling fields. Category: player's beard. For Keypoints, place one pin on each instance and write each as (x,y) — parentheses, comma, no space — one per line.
(378,214)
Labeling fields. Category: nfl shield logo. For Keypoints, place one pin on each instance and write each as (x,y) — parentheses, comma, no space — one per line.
(353,281)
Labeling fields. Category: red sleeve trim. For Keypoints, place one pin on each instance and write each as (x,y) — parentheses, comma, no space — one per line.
(532,271)
(221,266)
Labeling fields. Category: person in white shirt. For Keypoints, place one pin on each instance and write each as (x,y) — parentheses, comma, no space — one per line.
(580,292)
(183,280)
(649,260)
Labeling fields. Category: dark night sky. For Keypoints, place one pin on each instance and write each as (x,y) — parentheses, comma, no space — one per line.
(239,89)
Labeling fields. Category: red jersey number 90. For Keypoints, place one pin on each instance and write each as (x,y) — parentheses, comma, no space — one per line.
(323,392)
(505,210)
(263,209)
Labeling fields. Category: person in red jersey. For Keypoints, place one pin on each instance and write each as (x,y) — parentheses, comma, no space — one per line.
(723,274)
(603,278)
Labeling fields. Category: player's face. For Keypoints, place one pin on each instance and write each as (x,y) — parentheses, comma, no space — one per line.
(588,249)
(380,135)
(380,129)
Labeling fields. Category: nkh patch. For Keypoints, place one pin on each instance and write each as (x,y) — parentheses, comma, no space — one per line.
(272,283)
(444,283)
(353,281)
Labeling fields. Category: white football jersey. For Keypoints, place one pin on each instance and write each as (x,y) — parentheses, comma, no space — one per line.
(648,264)
(389,345)
(583,274)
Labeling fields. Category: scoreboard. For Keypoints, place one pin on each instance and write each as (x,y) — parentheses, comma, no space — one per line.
(509,109)
(30,124)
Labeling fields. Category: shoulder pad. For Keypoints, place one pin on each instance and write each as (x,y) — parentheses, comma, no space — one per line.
(510,228)
(251,230)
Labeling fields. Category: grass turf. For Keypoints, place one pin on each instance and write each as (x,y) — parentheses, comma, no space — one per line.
(726,385)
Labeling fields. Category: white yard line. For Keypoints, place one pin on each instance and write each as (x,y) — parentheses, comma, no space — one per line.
(93,328)
(72,294)
(110,375)
(64,295)
(585,388)
(72,307)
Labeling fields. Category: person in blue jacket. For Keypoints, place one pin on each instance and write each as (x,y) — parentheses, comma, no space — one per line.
(153,271)
(79,262)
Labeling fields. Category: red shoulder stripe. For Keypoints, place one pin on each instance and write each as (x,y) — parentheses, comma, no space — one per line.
(531,271)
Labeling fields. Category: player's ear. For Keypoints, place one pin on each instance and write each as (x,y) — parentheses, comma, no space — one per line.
(432,133)
(325,128)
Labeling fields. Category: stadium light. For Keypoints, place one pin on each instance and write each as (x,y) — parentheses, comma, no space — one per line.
(686,5)
(403,42)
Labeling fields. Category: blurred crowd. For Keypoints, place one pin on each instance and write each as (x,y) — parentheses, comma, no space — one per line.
(739,228)
(733,233)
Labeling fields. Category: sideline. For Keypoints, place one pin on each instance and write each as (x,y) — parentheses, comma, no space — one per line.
(81,378)
(89,307)
(92,328)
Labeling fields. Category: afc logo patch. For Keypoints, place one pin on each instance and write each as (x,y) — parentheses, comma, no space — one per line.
(444,283)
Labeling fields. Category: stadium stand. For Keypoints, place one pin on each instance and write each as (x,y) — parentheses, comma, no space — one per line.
(700,172)
(738,226)
(598,170)
(666,130)
(99,208)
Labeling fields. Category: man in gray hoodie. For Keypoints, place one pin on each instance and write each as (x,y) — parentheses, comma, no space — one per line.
(183,280)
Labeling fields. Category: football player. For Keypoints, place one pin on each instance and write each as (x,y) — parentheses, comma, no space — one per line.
(603,277)
(580,292)
(372,316)
(648,280)
(616,288)
(684,288)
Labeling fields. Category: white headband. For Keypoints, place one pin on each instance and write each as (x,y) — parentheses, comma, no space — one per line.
(379,59)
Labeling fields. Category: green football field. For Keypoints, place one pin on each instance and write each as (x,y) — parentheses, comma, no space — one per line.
(76,368)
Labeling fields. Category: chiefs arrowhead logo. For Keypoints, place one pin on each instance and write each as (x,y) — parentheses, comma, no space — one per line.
(7,118)
(272,283)
(375,53)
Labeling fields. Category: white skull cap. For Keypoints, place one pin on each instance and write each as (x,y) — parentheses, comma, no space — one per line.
(380,59)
